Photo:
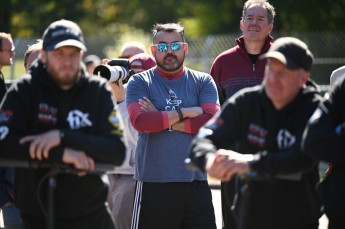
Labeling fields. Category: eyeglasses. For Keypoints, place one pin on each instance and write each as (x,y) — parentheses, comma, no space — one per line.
(174,46)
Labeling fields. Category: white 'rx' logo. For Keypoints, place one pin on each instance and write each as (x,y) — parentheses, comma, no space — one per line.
(78,119)
(285,139)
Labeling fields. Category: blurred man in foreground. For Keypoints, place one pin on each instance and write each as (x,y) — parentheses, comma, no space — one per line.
(57,116)
(256,140)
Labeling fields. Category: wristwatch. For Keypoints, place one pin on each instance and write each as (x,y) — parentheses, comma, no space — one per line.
(180,114)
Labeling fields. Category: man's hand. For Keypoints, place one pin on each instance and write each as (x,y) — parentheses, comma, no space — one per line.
(146,104)
(118,90)
(41,144)
(225,163)
(105,61)
(78,159)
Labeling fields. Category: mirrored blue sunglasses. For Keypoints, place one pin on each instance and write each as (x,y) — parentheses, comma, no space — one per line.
(174,46)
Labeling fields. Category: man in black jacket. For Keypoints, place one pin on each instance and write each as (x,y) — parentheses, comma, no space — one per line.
(256,140)
(58,115)
(10,213)
(324,139)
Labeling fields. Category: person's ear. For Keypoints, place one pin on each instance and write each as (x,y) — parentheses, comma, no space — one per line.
(43,56)
(153,50)
(270,27)
(306,77)
(241,25)
(185,48)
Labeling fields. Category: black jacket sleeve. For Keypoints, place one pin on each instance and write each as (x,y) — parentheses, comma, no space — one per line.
(320,139)
(105,144)
(218,133)
(15,123)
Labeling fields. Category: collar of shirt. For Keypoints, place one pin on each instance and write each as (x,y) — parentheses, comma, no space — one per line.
(171,76)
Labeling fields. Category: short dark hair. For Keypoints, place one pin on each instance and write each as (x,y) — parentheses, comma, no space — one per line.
(168,27)
(263,3)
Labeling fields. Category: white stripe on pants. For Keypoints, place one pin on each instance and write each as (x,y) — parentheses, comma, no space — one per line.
(137,205)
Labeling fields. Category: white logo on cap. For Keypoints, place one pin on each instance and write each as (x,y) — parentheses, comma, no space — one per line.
(61,32)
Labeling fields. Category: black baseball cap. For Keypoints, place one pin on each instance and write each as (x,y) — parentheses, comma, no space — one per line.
(63,33)
(292,52)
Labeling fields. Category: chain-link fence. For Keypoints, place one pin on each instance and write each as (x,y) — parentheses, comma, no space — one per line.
(327,47)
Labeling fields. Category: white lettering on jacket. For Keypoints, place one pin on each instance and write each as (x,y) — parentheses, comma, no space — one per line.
(78,119)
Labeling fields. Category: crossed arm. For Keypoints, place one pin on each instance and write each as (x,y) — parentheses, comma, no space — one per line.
(155,121)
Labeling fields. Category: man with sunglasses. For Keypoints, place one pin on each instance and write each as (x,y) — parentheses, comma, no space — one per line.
(167,194)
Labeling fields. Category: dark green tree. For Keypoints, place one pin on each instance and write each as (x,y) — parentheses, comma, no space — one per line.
(25,18)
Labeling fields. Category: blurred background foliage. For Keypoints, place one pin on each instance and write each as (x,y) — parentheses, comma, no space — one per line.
(211,26)
(25,18)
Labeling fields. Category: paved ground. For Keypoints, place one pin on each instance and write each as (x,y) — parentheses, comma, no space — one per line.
(218,211)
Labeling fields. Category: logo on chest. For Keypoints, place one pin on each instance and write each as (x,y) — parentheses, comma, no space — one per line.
(47,114)
(172,102)
(257,135)
(285,139)
(78,119)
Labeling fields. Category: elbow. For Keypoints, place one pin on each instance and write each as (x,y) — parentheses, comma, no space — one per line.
(311,148)
(136,125)
(136,121)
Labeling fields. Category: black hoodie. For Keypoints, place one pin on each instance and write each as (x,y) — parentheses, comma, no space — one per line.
(250,124)
(85,114)
(322,142)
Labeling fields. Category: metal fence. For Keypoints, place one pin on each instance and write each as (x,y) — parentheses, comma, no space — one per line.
(327,47)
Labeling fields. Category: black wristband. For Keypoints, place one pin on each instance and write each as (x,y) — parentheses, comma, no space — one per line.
(180,115)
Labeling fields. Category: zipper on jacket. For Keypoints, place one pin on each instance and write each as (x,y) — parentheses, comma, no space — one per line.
(253,67)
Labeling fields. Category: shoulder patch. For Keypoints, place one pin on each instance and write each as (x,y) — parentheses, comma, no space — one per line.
(5,115)
(114,120)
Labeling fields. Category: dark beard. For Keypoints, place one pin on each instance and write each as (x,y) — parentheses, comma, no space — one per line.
(65,82)
(162,66)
